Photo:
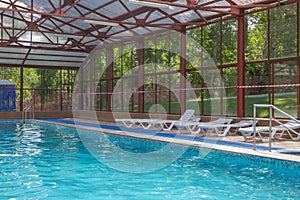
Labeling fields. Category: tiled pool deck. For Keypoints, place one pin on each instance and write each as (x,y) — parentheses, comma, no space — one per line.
(228,143)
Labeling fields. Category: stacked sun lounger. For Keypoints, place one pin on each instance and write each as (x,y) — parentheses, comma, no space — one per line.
(288,128)
(166,125)
(192,124)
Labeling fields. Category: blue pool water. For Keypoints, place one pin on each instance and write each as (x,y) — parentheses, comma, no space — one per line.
(56,165)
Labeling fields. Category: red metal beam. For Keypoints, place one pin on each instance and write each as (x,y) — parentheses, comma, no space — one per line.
(141,76)
(241,66)
(182,71)
(298,62)
(92,83)
(109,62)
(21,88)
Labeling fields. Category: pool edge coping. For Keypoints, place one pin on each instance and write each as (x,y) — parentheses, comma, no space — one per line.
(202,144)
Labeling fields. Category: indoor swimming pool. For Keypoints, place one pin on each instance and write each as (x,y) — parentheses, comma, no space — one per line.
(55,164)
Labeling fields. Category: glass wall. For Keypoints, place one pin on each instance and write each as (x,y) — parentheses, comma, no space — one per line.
(271,54)
(43,89)
(157,73)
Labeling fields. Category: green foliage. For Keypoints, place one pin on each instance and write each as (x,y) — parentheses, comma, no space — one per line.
(229,41)
(283,31)
(10,73)
(256,37)
(41,81)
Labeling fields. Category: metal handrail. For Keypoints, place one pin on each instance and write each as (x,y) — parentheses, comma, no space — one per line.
(24,114)
(271,108)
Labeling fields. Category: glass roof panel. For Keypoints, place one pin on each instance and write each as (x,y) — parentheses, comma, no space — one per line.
(11,61)
(66,28)
(53,58)
(140,30)
(208,13)
(125,33)
(166,21)
(41,5)
(244,1)
(220,3)
(52,63)
(180,1)
(4,3)
(154,16)
(80,23)
(116,29)
(73,12)
(13,50)
(187,16)
(5,35)
(65,53)
(130,6)
(130,20)
(142,16)
(113,10)
(12,55)
(36,37)
(96,16)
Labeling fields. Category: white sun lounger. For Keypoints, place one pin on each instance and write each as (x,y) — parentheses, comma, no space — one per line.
(208,127)
(144,123)
(225,129)
(233,128)
(126,122)
(288,127)
(188,115)
(215,126)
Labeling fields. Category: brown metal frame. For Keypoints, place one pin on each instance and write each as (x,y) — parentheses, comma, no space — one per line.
(59,17)
(241,65)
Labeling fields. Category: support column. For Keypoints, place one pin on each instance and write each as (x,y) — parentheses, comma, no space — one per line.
(141,77)
(109,61)
(21,104)
(241,65)
(183,71)
(298,63)
(80,89)
(60,90)
(91,83)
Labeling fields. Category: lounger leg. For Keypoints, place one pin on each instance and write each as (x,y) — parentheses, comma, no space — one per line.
(145,126)
(224,132)
(128,124)
(166,127)
(234,132)
(194,130)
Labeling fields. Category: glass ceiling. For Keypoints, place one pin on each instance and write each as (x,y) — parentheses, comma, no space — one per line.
(34,30)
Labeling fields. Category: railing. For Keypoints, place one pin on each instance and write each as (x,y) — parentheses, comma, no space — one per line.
(50,100)
(25,114)
(28,128)
(272,108)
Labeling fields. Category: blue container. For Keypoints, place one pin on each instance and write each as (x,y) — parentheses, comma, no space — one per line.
(7,96)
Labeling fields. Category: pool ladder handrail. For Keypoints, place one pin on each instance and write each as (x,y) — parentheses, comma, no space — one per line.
(272,108)
(24,114)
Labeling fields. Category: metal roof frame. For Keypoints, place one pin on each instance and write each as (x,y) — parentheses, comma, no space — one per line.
(33,32)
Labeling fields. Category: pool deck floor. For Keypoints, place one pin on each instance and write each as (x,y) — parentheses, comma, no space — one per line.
(232,143)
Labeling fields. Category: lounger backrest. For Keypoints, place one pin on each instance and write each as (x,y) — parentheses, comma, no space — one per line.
(222,121)
(292,124)
(246,122)
(187,115)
